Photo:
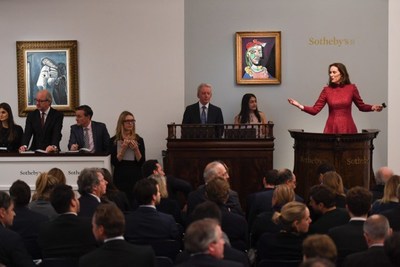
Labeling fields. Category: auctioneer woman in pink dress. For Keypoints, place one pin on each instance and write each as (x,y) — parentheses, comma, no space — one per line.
(339,95)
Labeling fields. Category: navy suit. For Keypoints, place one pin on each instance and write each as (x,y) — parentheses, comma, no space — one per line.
(67,236)
(375,256)
(146,223)
(119,253)
(88,205)
(192,114)
(101,138)
(12,250)
(50,134)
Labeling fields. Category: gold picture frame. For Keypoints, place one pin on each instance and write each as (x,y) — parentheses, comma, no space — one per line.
(258,57)
(51,65)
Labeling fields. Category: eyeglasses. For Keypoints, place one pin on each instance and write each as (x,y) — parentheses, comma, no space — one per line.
(129,121)
(41,101)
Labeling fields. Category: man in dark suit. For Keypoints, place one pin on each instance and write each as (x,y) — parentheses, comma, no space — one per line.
(376,230)
(44,124)
(146,223)
(322,201)
(108,225)
(12,249)
(349,238)
(212,170)
(88,134)
(194,113)
(67,236)
(205,242)
(91,186)
(26,222)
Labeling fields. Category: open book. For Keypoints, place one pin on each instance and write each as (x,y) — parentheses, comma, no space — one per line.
(82,150)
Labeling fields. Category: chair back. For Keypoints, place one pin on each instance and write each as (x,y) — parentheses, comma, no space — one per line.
(165,247)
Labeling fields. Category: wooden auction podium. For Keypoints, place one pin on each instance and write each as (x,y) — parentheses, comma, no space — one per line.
(351,154)
(246,150)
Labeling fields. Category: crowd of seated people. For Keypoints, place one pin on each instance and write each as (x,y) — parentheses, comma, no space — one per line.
(89,226)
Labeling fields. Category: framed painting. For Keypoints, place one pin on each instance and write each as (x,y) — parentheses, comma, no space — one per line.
(258,57)
(50,65)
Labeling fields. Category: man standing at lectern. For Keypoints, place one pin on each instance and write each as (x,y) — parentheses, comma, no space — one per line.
(203,112)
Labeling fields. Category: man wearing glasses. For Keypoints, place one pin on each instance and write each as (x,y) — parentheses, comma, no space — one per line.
(43,124)
(88,135)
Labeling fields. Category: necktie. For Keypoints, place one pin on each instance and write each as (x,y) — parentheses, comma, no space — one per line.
(203,116)
(86,137)
(42,119)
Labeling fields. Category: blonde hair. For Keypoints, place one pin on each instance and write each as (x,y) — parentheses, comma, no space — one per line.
(334,181)
(290,213)
(162,184)
(390,189)
(321,246)
(58,173)
(282,195)
(44,186)
(119,129)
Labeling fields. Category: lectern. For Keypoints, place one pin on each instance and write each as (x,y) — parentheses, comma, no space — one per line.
(351,154)
(246,149)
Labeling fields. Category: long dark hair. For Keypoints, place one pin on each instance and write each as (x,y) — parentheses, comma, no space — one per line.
(244,113)
(10,121)
(343,71)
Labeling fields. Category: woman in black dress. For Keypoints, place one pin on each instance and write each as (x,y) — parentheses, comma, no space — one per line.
(127,154)
(10,133)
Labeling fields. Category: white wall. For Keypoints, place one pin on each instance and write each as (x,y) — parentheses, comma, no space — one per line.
(130,57)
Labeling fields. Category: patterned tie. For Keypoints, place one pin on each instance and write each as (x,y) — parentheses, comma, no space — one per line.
(203,116)
(86,137)
(42,119)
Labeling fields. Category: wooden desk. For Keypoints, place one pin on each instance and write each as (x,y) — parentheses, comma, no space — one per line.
(246,156)
(27,167)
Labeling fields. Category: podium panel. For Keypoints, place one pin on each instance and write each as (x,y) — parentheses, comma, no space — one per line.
(351,154)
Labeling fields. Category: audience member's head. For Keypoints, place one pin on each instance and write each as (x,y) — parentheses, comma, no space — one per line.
(20,192)
(45,184)
(207,209)
(358,201)
(162,184)
(91,181)
(286,176)
(152,166)
(293,217)
(389,193)
(205,236)
(321,246)
(217,190)
(108,221)
(392,248)
(270,178)
(334,181)
(321,198)
(59,174)
(282,195)
(215,169)
(382,175)
(63,199)
(376,229)
(111,187)
(147,192)
(6,209)
(323,168)
(317,262)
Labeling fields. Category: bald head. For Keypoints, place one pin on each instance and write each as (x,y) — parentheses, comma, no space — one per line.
(383,175)
(215,169)
(376,229)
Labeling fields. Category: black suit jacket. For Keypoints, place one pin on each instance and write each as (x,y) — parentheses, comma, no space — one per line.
(12,249)
(375,256)
(119,253)
(348,238)
(67,236)
(192,114)
(88,205)
(235,227)
(146,223)
(101,137)
(27,224)
(329,220)
(206,260)
(393,216)
(50,134)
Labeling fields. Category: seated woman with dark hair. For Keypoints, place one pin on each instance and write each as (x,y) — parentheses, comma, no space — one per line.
(114,194)
(10,133)
(294,220)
